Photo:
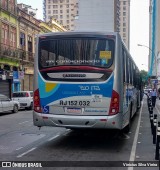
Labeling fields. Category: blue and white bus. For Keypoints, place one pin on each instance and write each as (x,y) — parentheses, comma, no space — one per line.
(85,80)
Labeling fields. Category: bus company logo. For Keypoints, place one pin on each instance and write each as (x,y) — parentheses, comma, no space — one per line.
(74,75)
(6,165)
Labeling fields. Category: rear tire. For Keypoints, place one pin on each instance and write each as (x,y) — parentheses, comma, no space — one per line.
(128,127)
(15,108)
(31,106)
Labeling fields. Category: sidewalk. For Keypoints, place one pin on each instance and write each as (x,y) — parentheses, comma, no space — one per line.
(145,150)
(158,106)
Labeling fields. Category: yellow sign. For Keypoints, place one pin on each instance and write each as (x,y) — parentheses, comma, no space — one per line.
(105,54)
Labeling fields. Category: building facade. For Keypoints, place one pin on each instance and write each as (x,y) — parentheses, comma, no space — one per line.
(9,53)
(63,11)
(18,30)
(28,28)
(125,21)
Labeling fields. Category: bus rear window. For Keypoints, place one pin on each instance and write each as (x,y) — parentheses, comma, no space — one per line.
(76,51)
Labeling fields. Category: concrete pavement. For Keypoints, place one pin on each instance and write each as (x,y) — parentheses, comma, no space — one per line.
(145,150)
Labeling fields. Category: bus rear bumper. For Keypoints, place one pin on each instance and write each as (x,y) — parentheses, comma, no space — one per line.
(72,121)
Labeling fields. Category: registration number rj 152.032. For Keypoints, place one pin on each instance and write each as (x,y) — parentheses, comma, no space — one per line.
(74,103)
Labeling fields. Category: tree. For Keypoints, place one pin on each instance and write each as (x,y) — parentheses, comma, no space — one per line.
(144,76)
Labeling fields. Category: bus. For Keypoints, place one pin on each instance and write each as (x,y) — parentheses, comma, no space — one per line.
(85,80)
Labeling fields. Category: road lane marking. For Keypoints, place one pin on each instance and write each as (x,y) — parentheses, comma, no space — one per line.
(23,122)
(133,151)
(19,148)
(54,137)
(19,156)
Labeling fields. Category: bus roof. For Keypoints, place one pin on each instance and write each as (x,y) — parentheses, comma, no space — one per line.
(78,33)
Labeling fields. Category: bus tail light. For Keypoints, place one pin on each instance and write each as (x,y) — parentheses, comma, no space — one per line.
(37,105)
(114,106)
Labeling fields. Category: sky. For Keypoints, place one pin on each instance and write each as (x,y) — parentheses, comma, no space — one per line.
(139,28)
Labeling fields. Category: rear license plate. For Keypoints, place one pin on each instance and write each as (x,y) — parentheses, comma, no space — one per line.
(73,110)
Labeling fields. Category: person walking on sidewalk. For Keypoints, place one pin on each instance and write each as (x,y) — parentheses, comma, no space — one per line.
(153,95)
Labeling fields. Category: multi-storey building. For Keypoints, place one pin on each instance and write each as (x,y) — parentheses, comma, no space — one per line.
(28,28)
(9,53)
(125,21)
(18,29)
(64,11)
(102,15)
(28,9)
(154,45)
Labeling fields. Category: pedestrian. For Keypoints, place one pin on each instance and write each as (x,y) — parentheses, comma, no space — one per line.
(153,95)
(159,93)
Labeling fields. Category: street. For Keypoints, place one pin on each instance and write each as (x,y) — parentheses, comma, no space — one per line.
(21,141)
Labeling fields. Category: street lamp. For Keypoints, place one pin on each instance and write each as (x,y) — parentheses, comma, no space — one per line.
(150,70)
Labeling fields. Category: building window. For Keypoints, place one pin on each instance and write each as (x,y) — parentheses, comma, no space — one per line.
(67,16)
(67,10)
(55,16)
(22,40)
(67,21)
(124,24)
(124,29)
(61,1)
(67,6)
(49,7)
(49,11)
(124,8)
(4,4)
(61,11)
(61,16)
(124,13)
(124,2)
(55,11)
(61,6)
(5,34)
(55,6)
(29,43)
(12,5)
(13,37)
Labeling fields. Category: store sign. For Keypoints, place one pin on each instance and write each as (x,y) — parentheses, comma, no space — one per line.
(21,74)
(15,77)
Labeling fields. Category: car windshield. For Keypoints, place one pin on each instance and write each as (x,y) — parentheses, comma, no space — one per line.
(21,94)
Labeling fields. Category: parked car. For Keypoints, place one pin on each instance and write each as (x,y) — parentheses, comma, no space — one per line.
(25,98)
(7,104)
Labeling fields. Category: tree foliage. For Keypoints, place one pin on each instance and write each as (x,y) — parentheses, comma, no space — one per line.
(144,76)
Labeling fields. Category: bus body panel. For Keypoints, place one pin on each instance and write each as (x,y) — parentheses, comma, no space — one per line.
(86,99)
(72,121)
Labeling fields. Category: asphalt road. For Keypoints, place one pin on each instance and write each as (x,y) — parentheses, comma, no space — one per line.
(21,141)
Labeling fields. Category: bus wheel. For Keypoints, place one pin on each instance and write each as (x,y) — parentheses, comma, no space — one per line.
(15,109)
(128,127)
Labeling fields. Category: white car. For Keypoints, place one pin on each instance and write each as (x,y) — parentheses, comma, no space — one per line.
(7,104)
(25,98)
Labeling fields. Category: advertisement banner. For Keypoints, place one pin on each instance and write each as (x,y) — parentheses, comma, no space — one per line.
(15,77)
